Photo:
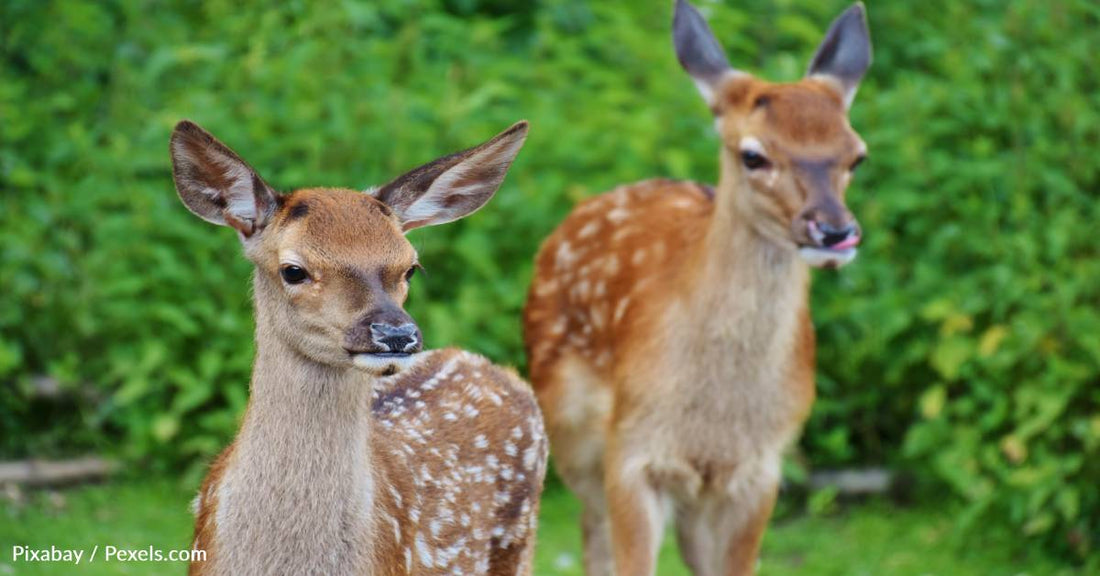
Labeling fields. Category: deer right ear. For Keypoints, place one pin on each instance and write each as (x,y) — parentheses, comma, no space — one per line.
(216,185)
(698,51)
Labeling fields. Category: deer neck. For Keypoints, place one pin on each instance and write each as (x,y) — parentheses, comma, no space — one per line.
(754,283)
(301,470)
(305,404)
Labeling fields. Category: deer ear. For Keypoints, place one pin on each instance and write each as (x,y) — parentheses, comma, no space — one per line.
(216,185)
(455,185)
(845,54)
(698,51)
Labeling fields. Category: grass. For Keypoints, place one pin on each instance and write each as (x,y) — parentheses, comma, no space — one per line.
(870,539)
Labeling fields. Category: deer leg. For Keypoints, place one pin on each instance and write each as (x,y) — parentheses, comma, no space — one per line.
(696,538)
(595,525)
(743,523)
(637,520)
(596,529)
(720,535)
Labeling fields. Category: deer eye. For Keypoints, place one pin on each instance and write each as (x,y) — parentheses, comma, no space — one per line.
(411,272)
(856,164)
(754,160)
(294,274)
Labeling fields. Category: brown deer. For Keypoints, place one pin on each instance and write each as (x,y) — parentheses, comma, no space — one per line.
(359,454)
(668,326)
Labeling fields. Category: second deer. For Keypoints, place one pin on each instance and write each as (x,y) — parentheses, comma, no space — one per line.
(668,325)
(359,454)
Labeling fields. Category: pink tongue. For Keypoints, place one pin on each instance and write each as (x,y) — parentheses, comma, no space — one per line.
(850,242)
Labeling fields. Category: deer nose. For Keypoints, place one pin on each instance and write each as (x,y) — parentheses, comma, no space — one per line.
(829,236)
(402,339)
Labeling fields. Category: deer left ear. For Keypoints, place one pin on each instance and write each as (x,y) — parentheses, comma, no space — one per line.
(845,54)
(455,185)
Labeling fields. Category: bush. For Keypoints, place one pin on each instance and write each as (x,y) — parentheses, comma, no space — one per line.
(963,344)
(969,334)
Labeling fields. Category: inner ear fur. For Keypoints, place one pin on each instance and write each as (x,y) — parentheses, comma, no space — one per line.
(216,185)
(455,185)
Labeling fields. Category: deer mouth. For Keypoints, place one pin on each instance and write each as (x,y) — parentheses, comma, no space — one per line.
(382,363)
(821,257)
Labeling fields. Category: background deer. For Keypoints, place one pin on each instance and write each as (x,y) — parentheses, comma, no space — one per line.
(358,455)
(668,325)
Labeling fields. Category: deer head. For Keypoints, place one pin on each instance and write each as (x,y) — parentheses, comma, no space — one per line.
(332,266)
(788,149)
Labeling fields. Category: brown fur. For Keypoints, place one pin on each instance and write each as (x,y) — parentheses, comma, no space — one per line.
(669,335)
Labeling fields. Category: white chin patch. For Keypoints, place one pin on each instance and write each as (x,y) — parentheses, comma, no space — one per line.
(383,365)
(823,258)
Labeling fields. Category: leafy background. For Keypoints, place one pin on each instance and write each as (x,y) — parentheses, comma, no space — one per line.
(963,347)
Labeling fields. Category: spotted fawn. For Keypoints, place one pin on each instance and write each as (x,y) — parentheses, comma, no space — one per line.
(668,325)
(359,453)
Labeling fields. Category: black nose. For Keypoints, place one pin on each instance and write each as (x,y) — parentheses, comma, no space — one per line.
(832,236)
(392,339)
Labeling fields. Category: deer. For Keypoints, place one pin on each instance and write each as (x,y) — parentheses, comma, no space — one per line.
(360,452)
(668,328)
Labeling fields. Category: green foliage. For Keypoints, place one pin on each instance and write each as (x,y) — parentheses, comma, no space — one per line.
(968,334)
(964,344)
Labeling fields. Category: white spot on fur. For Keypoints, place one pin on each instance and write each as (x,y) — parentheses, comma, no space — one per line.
(558,327)
(580,290)
(530,457)
(423,552)
(621,234)
(589,229)
(620,309)
(565,257)
(618,215)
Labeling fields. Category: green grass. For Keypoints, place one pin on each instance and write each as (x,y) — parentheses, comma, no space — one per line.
(131,514)
(872,539)
(865,540)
